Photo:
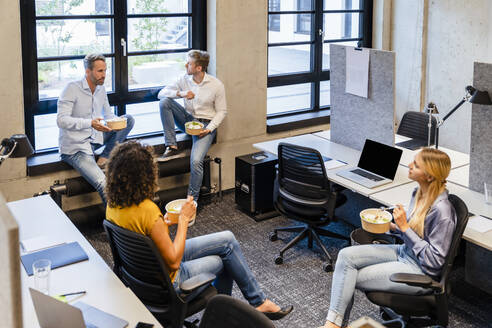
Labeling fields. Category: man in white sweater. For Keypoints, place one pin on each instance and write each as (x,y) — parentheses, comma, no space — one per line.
(205,101)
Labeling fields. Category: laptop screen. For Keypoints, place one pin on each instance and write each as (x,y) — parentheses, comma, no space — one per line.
(380,159)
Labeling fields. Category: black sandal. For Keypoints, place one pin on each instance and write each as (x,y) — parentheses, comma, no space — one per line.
(280,313)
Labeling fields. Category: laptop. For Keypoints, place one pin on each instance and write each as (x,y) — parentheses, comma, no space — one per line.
(53,313)
(377,165)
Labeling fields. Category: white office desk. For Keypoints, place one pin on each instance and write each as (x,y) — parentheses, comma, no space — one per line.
(325,147)
(474,201)
(460,175)
(41,216)
(323,134)
(336,151)
(458,159)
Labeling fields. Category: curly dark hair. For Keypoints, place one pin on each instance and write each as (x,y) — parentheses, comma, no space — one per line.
(131,175)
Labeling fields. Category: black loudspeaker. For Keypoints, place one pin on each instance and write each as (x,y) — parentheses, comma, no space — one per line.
(255,176)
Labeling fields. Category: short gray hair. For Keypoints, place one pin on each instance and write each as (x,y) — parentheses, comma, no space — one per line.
(91,58)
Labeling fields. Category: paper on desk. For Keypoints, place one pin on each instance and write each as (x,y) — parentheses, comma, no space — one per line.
(479,224)
(333,164)
(38,243)
(357,71)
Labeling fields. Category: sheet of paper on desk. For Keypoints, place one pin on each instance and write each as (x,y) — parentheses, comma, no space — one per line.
(479,224)
(333,164)
(38,243)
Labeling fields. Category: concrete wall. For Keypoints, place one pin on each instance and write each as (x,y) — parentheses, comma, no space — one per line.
(11,94)
(406,41)
(381,30)
(459,34)
(237,40)
(436,43)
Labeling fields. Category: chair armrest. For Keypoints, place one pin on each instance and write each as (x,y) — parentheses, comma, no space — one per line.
(417,280)
(189,285)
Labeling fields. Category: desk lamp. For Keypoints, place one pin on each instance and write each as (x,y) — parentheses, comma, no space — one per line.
(472,95)
(431,109)
(16,146)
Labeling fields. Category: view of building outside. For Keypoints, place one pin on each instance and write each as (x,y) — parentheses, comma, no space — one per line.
(290,59)
(156,33)
(67,37)
(71,37)
(77,37)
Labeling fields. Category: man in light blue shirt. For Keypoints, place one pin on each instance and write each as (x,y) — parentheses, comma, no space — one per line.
(82,106)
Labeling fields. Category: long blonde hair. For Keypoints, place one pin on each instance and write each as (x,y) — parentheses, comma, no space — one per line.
(436,164)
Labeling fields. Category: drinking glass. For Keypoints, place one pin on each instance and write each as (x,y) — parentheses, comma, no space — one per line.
(42,269)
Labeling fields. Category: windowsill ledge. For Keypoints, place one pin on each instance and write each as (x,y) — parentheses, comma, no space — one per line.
(297,121)
(51,163)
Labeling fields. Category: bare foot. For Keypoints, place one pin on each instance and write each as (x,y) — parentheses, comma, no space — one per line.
(268,306)
(101,161)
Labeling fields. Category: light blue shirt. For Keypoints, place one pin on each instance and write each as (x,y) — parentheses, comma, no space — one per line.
(77,107)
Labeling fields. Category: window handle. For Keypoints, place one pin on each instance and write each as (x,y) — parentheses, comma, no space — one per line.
(123,45)
(321,32)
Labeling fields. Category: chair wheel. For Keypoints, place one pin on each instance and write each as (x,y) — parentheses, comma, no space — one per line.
(279,260)
(328,267)
(384,315)
(273,236)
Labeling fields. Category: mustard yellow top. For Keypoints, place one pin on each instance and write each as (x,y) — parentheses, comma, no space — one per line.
(137,218)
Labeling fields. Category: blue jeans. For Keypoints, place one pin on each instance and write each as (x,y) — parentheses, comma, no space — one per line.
(368,267)
(86,164)
(219,253)
(173,114)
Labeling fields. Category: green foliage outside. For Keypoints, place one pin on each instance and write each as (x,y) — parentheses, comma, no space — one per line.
(148,32)
(59,36)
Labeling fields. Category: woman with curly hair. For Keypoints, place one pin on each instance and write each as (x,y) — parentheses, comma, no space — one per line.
(131,183)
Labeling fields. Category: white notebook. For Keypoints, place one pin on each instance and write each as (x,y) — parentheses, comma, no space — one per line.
(38,243)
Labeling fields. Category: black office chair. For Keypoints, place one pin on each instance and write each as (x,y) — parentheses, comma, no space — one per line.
(303,193)
(138,263)
(429,309)
(415,125)
(224,311)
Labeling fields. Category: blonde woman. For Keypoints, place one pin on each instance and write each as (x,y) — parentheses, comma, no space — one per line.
(426,229)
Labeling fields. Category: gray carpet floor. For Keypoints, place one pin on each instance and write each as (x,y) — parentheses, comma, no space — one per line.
(301,281)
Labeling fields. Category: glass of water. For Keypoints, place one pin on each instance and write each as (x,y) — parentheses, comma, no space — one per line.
(42,269)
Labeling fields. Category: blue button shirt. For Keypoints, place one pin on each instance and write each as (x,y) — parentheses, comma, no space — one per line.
(77,107)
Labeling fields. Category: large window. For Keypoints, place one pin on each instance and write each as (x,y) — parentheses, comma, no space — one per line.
(145,42)
(299,36)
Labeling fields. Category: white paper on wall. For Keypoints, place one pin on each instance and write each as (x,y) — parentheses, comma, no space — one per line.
(357,71)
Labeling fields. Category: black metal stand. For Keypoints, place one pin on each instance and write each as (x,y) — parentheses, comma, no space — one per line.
(462,101)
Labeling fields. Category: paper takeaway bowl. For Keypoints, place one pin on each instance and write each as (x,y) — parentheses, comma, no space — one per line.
(117,123)
(374,220)
(194,128)
(173,210)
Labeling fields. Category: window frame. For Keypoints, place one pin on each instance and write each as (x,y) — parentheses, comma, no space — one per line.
(121,95)
(316,75)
